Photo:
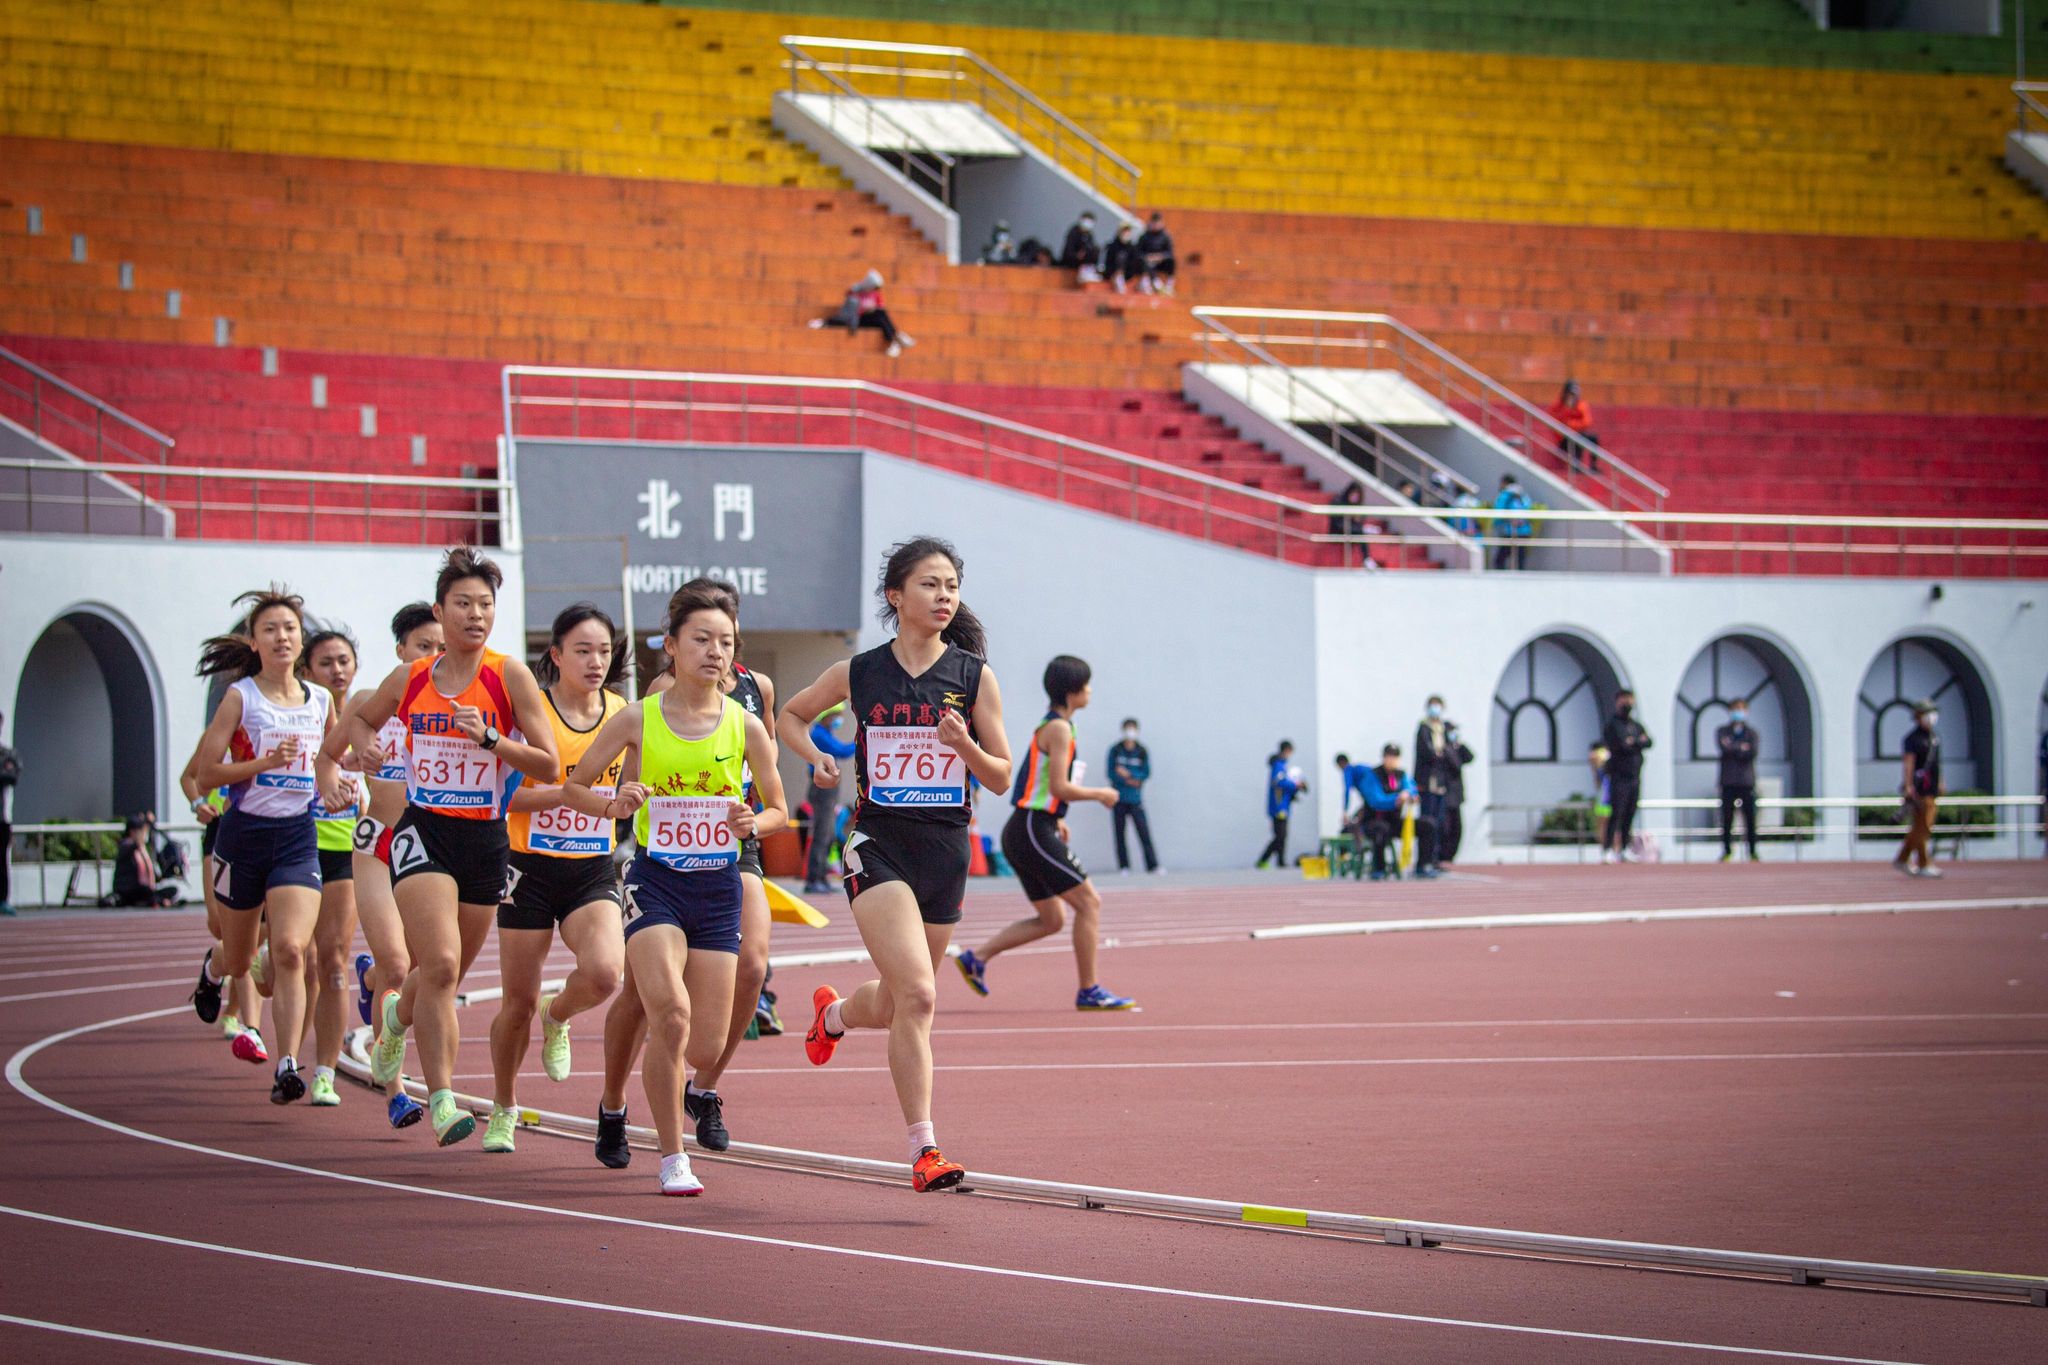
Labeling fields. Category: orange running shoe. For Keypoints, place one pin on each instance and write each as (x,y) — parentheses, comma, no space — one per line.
(931,1171)
(818,1044)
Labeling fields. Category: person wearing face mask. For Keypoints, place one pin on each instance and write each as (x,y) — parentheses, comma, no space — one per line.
(1921,754)
(1625,740)
(1081,253)
(1738,744)
(1130,768)
(1434,771)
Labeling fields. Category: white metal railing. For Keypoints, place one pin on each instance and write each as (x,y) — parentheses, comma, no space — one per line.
(2031,113)
(249,504)
(80,868)
(73,420)
(545,403)
(1836,828)
(866,70)
(1376,340)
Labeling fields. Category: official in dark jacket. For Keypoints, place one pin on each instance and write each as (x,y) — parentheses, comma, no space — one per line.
(1130,768)
(1737,743)
(1626,740)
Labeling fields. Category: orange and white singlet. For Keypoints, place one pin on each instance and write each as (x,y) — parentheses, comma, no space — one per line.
(447,772)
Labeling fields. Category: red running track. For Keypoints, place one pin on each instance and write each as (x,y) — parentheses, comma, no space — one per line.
(1649,1081)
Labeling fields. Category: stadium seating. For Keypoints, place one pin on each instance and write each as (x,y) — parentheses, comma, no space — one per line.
(1270,127)
(1760,32)
(1774,281)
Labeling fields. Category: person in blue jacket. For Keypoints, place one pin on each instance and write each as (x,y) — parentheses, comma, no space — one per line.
(1130,768)
(1284,786)
(1511,499)
(824,800)
(1388,791)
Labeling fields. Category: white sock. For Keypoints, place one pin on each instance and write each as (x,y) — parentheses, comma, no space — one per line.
(618,1113)
(835,1023)
(700,1091)
(211,979)
(921,1137)
(287,1063)
(323,1073)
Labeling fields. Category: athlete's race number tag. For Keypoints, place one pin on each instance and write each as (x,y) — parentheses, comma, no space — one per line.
(560,829)
(908,765)
(391,739)
(691,833)
(449,772)
(297,775)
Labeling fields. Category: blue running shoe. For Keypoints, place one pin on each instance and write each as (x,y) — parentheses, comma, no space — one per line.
(1096,998)
(405,1111)
(974,969)
(363,964)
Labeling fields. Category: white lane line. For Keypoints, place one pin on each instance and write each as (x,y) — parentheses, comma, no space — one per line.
(96,990)
(526,1296)
(20,1059)
(1552,919)
(188,1348)
(1111,1025)
(136,957)
(95,971)
(1226,1064)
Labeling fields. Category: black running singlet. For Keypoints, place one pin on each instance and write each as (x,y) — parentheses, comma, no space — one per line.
(747,693)
(901,768)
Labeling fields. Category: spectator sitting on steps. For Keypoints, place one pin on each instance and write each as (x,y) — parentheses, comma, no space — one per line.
(1571,411)
(1001,248)
(863,308)
(1155,256)
(1120,261)
(1081,253)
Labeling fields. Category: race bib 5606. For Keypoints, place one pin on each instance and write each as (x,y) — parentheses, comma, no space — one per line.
(691,833)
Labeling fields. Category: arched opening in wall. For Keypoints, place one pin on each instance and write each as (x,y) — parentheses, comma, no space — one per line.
(1904,672)
(1548,707)
(1758,672)
(85,723)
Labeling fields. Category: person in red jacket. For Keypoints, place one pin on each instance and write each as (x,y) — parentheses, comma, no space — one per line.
(863,308)
(1570,411)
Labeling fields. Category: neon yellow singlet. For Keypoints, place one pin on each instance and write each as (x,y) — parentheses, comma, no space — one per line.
(692,783)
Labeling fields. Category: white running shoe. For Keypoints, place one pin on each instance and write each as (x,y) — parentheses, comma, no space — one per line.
(1928,871)
(677,1178)
(1607,858)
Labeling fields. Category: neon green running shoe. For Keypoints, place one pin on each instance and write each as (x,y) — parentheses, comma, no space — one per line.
(259,970)
(498,1133)
(451,1124)
(387,1058)
(230,1025)
(322,1094)
(554,1043)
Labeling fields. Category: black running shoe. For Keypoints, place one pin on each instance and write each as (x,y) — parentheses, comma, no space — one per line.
(709,1111)
(611,1148)
(288,1086)
(206,995)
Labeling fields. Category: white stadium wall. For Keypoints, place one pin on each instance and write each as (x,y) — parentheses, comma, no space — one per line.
(1210,649)
(1220,653)
(1386,643)
(159,600)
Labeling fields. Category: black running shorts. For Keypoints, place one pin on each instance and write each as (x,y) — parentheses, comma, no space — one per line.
(930,858)
(546,890)
(475,853)
(1044,865)
(336,865)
